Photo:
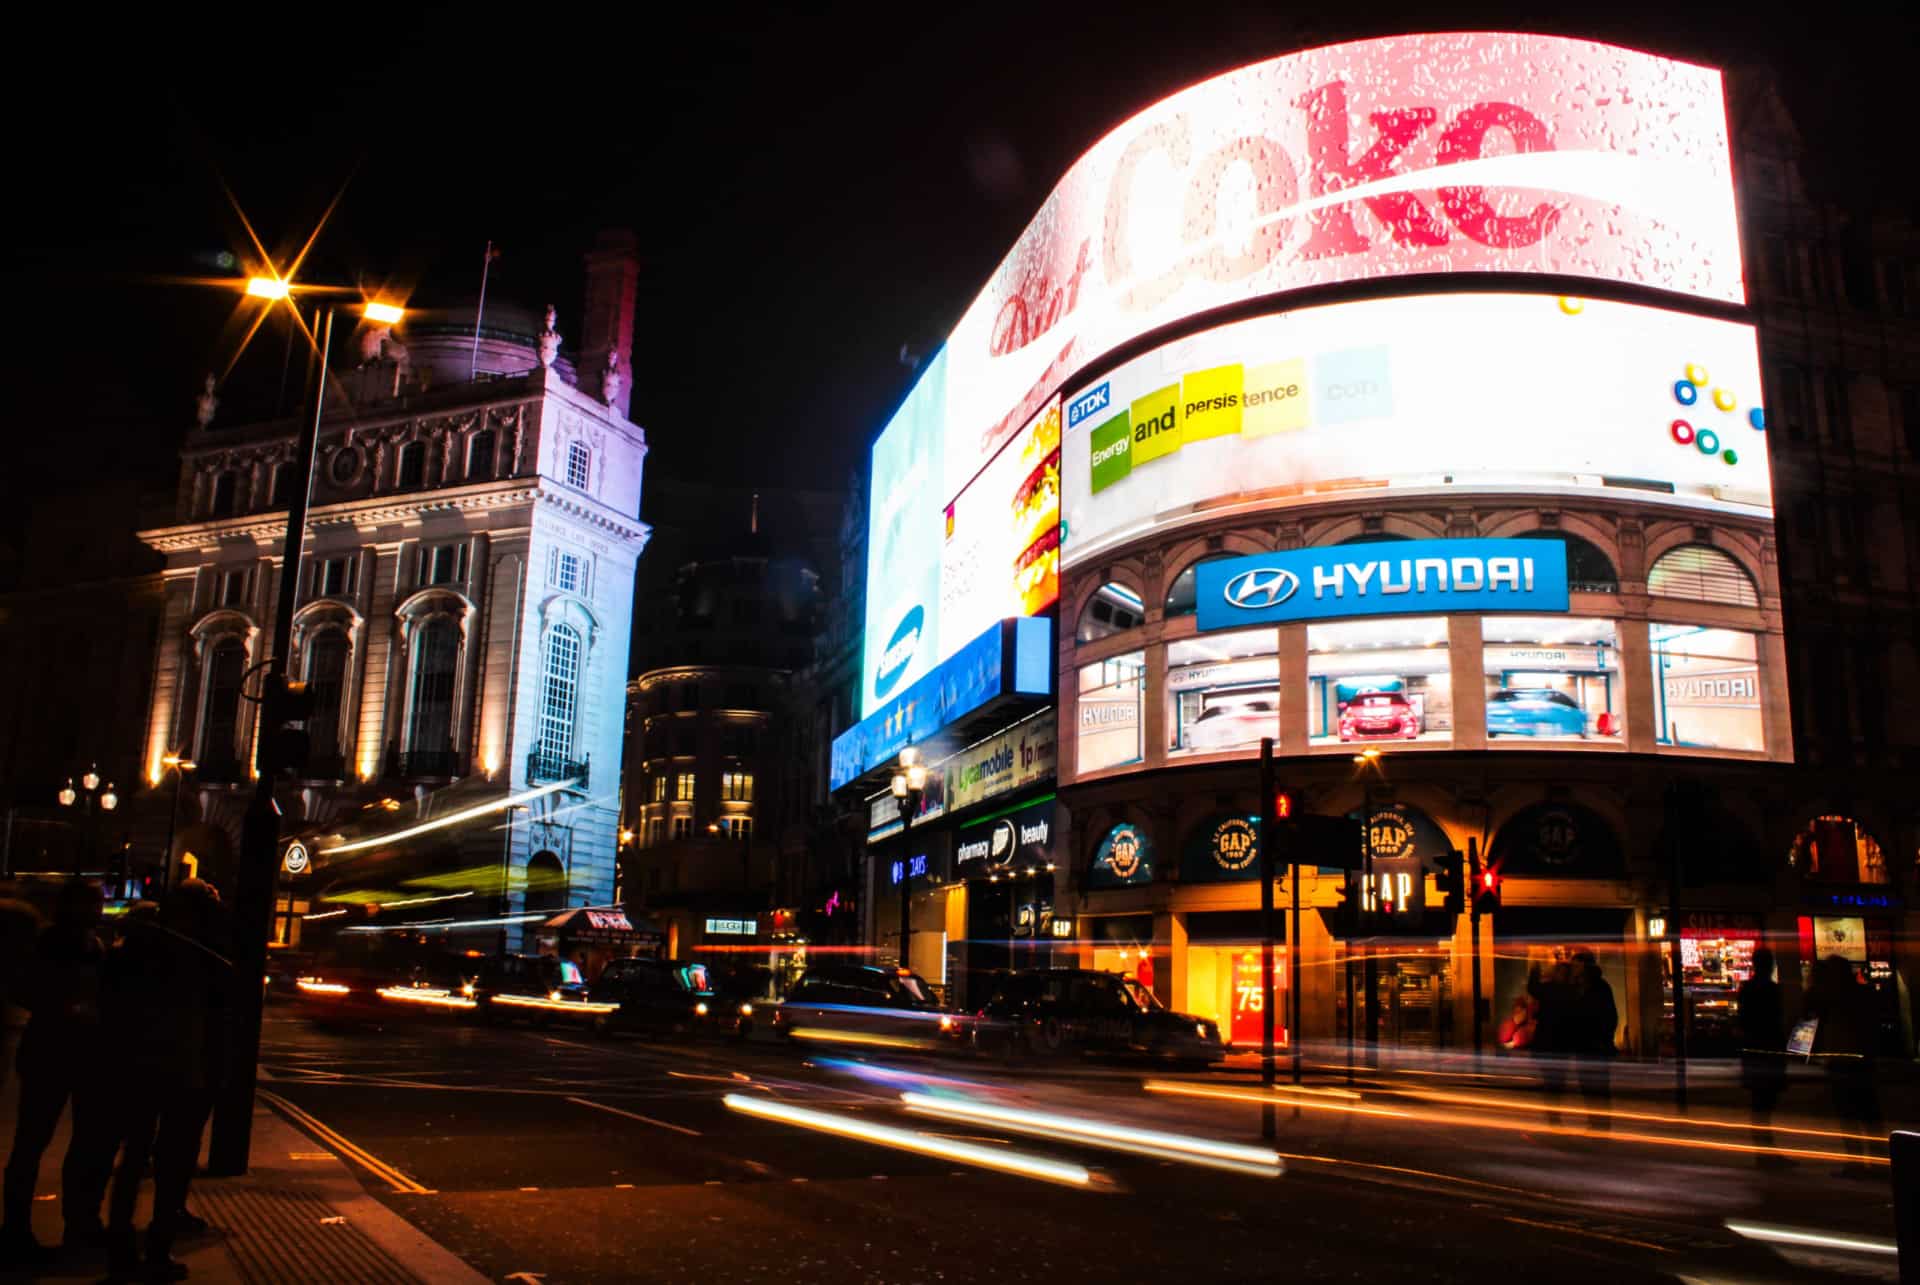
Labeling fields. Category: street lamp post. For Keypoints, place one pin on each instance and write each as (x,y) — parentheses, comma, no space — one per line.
(908,784)
(253,898)
(179,767)
(94,799)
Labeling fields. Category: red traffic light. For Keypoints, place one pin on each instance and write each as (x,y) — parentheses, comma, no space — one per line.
(1489,881)
(1283,805)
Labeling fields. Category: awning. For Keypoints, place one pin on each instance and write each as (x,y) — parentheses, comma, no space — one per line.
(609,924)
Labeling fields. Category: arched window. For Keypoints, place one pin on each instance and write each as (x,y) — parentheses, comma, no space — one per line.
(220,726)
(1704,574)
(226,492)
(560,697)
(1113,609)
(1183,597)
(546,884)
(327,654)
(579,465)
(480,464)
(412,467)
(1588,569)
(436,654)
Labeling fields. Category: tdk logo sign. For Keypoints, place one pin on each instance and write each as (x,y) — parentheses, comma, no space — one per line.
(1261,587)
(1404,577)
(1088,404)
(898,654)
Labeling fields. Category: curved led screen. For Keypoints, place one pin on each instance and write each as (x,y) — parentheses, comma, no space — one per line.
(1425,154)
(1431,392)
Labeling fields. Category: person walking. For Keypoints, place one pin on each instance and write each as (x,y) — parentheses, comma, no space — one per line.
(1845,1041)
(1595,1020)
(1762,1024)
(59,1062)
(1552,994)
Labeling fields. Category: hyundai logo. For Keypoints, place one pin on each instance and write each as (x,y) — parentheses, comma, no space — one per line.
(1261,587)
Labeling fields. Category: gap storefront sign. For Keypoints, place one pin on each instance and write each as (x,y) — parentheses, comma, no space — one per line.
(1411,577)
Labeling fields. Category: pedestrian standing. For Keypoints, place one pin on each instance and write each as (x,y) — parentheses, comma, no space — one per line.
(1552,994)
(59,1062)
(1763,1050)
(1595,1019)
(1846,1042)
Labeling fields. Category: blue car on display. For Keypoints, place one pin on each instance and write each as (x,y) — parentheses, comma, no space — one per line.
(1538,711)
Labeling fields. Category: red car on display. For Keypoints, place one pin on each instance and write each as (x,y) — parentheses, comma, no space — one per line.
(1379,714)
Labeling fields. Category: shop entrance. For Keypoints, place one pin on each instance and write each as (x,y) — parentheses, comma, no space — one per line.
(1412,992)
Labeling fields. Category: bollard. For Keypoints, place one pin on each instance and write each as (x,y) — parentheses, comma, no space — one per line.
(1903,1147)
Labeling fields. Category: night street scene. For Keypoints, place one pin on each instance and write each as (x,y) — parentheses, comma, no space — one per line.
(864,645)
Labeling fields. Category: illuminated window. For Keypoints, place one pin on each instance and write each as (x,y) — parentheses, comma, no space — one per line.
(683,827)
(412,468)
(559,701)
(1703,574)
(1838,848)
(660,789)
(738,829)
(1113,696)
(1706,687)
(1553,678)
(1382,680)
(436,654)
(480,456)
(1223,692)
(327,654)
(736,787)
(683,787)
(579,465)
(1113,609)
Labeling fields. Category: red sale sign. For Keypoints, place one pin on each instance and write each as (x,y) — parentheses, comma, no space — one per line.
(1249,998)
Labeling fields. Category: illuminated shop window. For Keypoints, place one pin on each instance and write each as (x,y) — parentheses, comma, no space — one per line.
(1183,596)
(1703,574)
(1113,695)
(1553,678)
(1114,609)
(1223,692)
(1840,849)
(1706,687)
(1379,680)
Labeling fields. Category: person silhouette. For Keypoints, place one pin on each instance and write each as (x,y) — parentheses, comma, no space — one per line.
(1763,1050)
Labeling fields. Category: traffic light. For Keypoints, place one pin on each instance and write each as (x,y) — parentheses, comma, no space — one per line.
(1486,897)
(285,707)
(1282,805)
(1452,881)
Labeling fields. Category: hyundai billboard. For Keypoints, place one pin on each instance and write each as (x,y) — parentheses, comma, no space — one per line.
(1411,155)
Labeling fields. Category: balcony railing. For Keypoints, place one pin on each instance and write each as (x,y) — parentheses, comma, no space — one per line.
(544,768)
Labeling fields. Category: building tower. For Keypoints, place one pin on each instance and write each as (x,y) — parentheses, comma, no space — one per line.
(463,617)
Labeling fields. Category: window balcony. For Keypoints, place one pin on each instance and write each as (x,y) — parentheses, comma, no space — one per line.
(544,768)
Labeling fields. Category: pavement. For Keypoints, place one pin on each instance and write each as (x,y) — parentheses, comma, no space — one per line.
(298,1215)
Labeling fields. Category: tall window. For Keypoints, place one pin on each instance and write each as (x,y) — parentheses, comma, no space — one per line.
(480,451)
(683,827)
(660,789)
(560,700)
(436,653)
(234,586)
(327,680)
(737,786)
(1703,573)
(579,465)
(413,466)
(738,829)
(683,787)
(443,563)
(226,489)
(333,577)
(226,669)
(566,572)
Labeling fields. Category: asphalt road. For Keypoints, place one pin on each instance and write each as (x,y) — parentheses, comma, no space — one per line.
(547,1155)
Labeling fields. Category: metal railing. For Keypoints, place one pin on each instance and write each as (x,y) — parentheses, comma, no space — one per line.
(546,768)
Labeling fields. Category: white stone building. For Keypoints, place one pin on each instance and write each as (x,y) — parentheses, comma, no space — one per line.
(465,600)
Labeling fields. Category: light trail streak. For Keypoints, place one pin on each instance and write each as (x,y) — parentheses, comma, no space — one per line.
(1509,1126)
(858,1037)
(1257,1161)
(454,818)
(1043,1168)
(1688,1122)
(1811,1239)
(553,1005)
(314,986)
(424,995)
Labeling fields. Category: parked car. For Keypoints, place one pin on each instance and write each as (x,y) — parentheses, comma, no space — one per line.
(1530,711)
(665,997)
(1059,1012)
(1379,714)
(537,987)
(1224,727)
(865,1004)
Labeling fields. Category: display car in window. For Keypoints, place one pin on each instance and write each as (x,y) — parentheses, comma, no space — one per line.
(1528,711)
(1225,727)
(865,1004)
(1064,1012)
(1378,715)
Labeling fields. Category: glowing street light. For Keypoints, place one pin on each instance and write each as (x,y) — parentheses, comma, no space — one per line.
(385,314)
(266,288)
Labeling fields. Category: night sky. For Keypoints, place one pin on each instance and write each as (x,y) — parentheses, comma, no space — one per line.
(812,189)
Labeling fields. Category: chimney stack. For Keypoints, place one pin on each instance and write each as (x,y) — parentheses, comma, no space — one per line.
(613,271)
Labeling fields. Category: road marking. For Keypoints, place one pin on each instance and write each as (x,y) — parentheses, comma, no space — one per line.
(635,1115)
(366,1159)
(1597,1235)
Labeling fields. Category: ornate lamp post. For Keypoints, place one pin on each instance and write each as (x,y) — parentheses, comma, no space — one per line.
(94,798)
(908,784)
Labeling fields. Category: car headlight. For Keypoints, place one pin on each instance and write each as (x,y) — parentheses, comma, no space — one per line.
(700,1009)
(746,1010)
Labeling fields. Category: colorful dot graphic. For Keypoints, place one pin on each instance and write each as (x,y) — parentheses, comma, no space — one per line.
(1572,305)
(1730,456)
(1724,399)
(1757,418)
(1696,374)
(1682,432)
(1686,391)
(1708,441)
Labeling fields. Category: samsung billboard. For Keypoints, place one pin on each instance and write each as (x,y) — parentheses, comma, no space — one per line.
(1411,155)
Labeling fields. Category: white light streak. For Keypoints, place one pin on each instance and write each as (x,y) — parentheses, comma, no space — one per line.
(1149,1142)
(312,986)
(438,823)
(1813,1239)
(556,1005)
(1044,1168)
(424,995)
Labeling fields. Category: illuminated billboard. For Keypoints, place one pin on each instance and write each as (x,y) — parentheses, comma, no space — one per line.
(1413,155)
(1426,393)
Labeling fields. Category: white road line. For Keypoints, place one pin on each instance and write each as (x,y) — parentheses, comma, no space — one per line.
(635,1115)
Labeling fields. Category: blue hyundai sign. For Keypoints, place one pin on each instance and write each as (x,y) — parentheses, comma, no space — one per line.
(1401,577)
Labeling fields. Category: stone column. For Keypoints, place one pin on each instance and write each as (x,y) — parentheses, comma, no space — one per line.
(1464,652)
(1639,687)
(1295,690)
(1170,959)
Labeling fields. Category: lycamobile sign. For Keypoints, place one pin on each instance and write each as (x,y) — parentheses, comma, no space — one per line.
(1403,577)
